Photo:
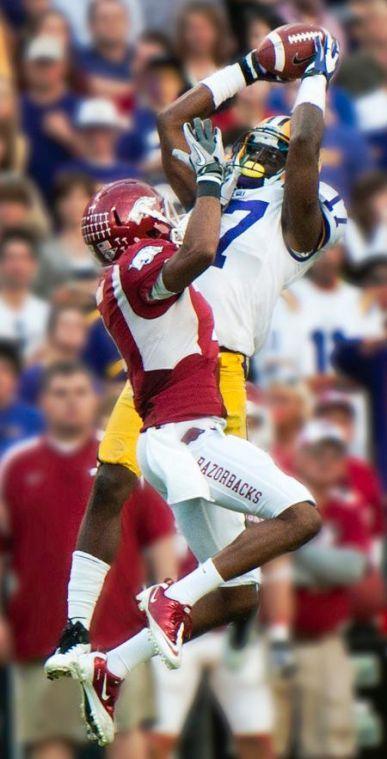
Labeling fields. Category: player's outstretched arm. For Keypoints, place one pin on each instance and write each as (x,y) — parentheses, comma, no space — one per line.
(201,238)
(302,219)
(201,101)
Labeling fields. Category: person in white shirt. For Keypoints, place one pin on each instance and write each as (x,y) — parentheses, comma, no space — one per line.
(23,316)
(319,310)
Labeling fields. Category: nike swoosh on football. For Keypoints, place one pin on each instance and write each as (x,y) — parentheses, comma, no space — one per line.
(298,61)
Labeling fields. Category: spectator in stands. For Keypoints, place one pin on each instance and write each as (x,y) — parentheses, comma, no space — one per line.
(289,408)
(365,362)
(21,206)
(48,109)
(101,354)
(335,314)
(360,475)
(12,142)
(99,127)
(45,486)
(325,571)
(374,283)
(24,12)
(372,106)
(316,313)
(105,66)
(203,40)
(23,316)
(150,45)
(66,339)
(258,21)
(53,23)
(18,421)
(159,84)
(65,255)
(366,235)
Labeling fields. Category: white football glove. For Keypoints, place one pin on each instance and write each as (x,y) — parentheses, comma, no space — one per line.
(206,156)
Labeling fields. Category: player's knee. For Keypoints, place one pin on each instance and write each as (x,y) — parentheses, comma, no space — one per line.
(303,522)
(112,487)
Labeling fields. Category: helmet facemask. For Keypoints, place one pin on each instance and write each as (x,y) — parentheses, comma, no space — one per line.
(260,157)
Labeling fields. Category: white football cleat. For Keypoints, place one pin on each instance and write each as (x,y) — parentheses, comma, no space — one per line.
(73,642)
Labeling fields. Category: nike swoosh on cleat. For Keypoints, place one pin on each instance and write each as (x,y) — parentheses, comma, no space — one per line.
(153,596)
(104,693)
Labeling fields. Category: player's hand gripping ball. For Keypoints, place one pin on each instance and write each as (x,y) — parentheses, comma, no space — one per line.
(288,50)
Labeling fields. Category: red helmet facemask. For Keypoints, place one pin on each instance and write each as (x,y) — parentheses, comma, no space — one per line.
(120,214)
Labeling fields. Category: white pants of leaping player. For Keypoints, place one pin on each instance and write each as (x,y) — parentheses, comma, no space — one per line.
(212,481)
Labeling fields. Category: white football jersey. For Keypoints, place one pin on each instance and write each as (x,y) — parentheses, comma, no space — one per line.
(305,331)
(253,263)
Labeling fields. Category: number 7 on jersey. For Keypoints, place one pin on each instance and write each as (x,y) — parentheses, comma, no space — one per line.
(255,210)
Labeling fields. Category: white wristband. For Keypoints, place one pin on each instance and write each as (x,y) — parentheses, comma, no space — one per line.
(313,90)
(225,83)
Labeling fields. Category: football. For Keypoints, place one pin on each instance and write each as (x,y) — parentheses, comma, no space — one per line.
(288,50)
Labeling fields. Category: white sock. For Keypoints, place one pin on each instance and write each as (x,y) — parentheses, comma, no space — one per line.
(86,580)
(197,584)
(124,658)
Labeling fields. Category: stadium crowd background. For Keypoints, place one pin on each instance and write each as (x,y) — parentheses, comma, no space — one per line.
(80,86)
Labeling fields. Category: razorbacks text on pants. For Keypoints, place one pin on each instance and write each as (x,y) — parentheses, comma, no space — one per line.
(217,473)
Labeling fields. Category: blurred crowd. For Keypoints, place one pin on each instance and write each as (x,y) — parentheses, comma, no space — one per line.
(81,83)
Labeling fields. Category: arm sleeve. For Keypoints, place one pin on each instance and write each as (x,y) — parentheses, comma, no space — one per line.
(334,216)
(330,566)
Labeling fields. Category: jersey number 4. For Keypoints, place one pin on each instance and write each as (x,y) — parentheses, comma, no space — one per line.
(255,210)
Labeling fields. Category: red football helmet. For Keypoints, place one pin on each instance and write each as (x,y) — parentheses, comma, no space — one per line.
(120,214)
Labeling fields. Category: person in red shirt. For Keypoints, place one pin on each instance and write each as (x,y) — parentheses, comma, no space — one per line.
(325,571)
(288,409)
(361,475)
(45,483)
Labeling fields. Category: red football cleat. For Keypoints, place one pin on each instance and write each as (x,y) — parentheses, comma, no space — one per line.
(100,692)
(169,621)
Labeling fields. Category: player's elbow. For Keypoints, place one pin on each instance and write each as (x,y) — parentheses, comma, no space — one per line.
(302,522)
(166,119)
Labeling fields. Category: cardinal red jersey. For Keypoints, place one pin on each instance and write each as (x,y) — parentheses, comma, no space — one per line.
(168,344)
(45,491)
(362,477)
(321,611)
(146,518)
